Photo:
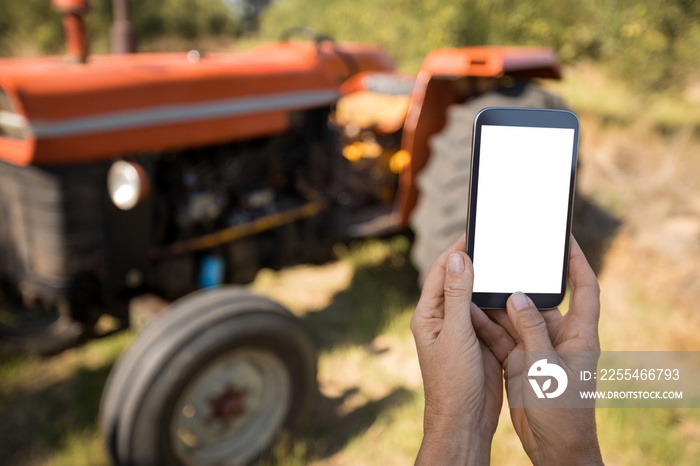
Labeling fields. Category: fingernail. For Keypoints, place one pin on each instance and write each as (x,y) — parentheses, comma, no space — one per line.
(519,301)
(455,264)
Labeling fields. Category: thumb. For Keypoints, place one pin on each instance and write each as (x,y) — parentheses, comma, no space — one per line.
(459,281)
(528,322)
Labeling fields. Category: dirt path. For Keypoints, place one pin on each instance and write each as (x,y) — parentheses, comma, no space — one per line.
(650,183)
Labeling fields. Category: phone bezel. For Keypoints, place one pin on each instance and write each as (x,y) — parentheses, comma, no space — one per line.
(524,117)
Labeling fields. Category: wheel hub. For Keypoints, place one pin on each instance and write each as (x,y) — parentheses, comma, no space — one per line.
(227,405)
(231,408)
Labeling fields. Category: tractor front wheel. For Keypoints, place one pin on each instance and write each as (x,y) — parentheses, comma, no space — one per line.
(212,382)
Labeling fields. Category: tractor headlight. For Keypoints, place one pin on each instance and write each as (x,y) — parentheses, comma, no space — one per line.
(127,184)
(12,124)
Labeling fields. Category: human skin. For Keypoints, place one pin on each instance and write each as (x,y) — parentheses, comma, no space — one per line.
(462,353)
(553,436)
(461,376)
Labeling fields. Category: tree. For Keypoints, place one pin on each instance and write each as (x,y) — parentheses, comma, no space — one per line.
(36,26)
(249,11)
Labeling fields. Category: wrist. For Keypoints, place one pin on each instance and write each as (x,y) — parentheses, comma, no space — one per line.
(567,459)
(450,418)
(465,451)
(575,455)
(452,443)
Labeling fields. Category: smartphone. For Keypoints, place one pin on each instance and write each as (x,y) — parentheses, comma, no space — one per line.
(521,202)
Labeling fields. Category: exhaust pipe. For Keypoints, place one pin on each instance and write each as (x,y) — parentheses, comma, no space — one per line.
(122,33)
(73,12)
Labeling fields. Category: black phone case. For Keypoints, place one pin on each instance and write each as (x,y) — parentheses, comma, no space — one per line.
(536,118)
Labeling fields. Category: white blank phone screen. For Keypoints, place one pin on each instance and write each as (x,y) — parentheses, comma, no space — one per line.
(521,209)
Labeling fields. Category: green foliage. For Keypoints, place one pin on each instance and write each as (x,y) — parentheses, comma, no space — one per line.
(35,17)
(250,11)
(409,29)
(658,42)
(182,18)
(37,26)
(651,44)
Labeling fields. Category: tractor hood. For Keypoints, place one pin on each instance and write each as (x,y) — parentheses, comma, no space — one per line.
(53,112)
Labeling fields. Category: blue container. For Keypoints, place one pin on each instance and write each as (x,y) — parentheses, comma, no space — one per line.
(211,272)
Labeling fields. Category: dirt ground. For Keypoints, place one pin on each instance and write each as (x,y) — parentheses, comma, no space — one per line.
(647,185)
(638,218)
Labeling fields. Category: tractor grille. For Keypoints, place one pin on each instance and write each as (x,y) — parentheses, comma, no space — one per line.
(52,229)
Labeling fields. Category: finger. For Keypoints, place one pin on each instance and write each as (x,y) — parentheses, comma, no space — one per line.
(528,322)
(495,337)
(459,281)
(585,293)
(427,320)
(433,287)
(500,317)
(553,318)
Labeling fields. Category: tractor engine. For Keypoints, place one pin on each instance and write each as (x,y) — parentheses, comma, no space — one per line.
(212,188)
(223,212)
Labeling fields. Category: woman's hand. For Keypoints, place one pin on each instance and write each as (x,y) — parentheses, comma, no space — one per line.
(462,377)
(552,436)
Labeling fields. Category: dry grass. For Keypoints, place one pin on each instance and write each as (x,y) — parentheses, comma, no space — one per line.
(48,407)
(589,90)
(641,177)
(646,175)
(649,182)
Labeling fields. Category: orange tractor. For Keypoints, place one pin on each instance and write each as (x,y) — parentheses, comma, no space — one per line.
(129,176)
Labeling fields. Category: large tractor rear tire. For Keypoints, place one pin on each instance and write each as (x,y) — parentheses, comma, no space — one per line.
(212,382)
(440,215)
